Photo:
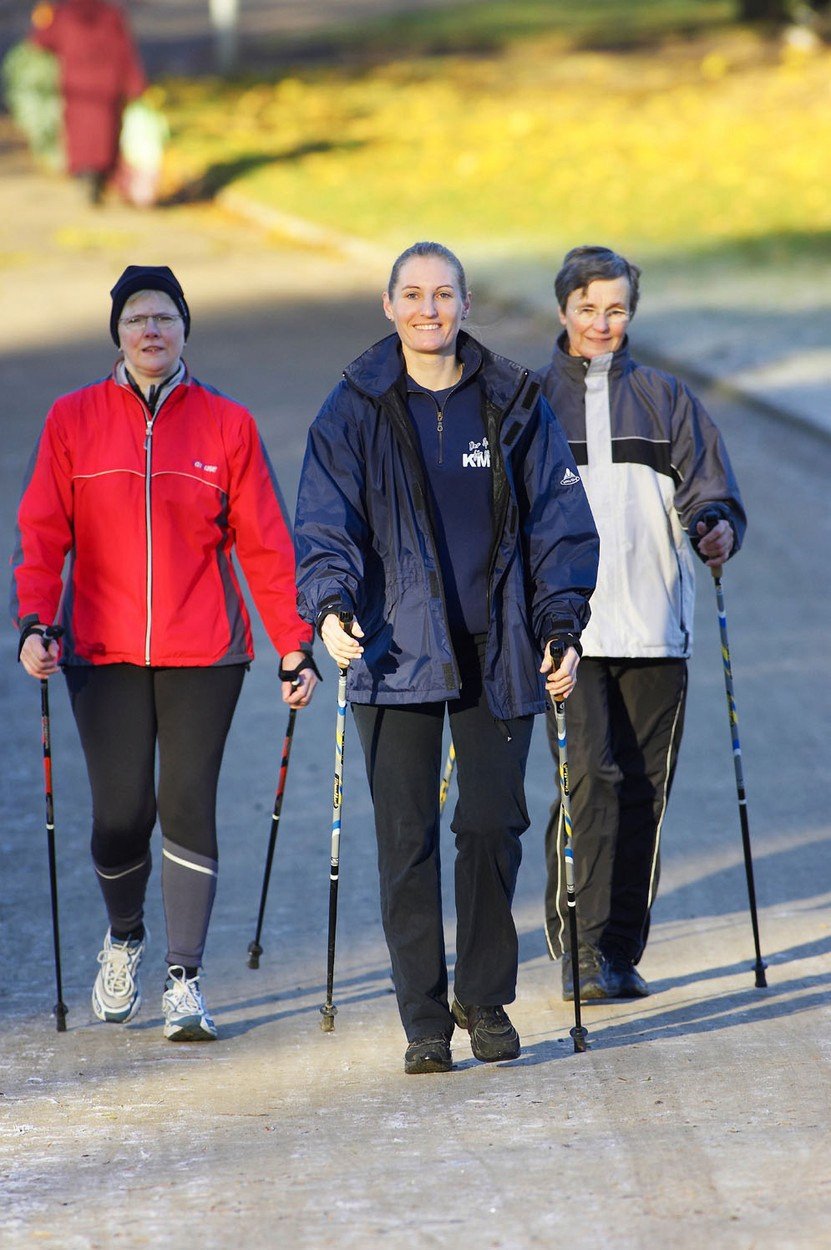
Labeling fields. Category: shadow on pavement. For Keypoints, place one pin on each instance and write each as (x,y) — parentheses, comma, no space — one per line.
(209,184)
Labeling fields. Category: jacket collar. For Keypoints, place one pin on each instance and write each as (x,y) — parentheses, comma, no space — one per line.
(381,367)
(578,367)
(180,375)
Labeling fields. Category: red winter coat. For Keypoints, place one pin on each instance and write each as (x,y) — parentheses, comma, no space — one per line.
(149,511)
(100,72)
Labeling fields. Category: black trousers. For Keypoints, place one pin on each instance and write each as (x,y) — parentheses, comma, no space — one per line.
(403,751)
(123,713)
(624,723)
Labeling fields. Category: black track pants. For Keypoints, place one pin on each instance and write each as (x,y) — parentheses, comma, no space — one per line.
(123,712)
(403,750)
(624,723)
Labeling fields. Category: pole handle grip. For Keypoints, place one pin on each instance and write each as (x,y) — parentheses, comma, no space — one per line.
(345,620)
(711,518)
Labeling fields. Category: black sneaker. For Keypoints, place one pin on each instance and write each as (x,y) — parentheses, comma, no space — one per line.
(598,979)
(428,1054)
(492,1036)
(630,982)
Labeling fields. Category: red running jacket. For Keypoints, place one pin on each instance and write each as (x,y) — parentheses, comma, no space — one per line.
(149,510)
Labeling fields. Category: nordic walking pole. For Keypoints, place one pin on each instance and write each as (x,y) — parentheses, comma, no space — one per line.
(254,947)
(447,777)
(759,967)
(578,1033)
(50,633)
(329,1010)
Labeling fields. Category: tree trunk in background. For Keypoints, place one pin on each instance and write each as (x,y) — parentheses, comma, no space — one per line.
(225,22)
(763,10)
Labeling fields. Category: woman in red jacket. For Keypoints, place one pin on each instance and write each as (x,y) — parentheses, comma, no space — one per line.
(100,71)
(149,480)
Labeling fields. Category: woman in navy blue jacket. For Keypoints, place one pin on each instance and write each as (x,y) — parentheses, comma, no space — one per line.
(440,506)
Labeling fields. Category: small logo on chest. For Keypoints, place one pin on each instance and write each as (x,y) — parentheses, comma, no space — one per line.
(206,468)
(477,456)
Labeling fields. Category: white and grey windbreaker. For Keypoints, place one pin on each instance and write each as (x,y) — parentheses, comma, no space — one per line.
(652,463)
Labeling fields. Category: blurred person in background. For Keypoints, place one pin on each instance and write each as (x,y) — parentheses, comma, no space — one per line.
(656,471)
(100,71)
(440,508)
(150,482)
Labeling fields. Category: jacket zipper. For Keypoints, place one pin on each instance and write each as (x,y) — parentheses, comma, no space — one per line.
(149,421)
(496,454)
(148,524)
(405,435)
(440,432)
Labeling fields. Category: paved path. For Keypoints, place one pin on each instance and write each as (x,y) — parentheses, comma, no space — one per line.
(699,1116)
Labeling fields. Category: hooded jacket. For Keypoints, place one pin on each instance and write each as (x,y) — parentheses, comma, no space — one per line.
(653,464)
(366,544)
(149,507)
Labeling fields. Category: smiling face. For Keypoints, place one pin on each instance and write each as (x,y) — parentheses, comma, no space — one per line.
(151,351)
(596,318)
(427,306)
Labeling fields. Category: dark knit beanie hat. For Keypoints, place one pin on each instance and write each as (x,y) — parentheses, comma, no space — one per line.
(147,278)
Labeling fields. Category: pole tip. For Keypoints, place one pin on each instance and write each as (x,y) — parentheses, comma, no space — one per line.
(254,952)
(60,1017)
(761,979)
(580,1036)
(328,1012)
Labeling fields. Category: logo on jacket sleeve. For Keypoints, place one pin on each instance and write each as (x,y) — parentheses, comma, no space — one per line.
(569,478)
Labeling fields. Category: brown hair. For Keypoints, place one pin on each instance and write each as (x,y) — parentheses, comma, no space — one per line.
(428,249)
(583,265)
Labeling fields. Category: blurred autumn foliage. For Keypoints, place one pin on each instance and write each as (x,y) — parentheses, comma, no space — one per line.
(712,135)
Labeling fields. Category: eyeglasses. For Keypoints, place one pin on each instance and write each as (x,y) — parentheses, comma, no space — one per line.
(163,321)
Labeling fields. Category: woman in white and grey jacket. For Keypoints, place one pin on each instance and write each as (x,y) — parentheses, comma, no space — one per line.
(654,466)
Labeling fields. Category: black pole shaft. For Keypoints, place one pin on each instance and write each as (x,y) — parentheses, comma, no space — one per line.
(759,967)
(254,947)
(60,1006)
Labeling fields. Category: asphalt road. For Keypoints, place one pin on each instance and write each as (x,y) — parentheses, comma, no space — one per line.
(699,1116)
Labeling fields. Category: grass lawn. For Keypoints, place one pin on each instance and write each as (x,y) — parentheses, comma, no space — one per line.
(520,129)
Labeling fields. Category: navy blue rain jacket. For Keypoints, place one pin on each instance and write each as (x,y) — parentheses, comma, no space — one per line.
(366,544)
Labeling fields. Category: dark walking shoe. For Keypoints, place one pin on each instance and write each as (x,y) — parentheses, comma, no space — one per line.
(428,1054)
(492,1036)
(630,982)
(598,979)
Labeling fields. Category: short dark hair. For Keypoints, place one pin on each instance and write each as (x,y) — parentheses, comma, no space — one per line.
(586,264)
(428,249)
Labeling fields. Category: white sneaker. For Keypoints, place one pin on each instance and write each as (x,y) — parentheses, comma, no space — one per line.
(116,996)
(186,1017)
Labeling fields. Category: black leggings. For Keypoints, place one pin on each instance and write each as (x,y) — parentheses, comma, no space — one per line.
(122,712)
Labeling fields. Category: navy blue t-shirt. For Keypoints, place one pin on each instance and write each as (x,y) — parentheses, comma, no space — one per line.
(456,456)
